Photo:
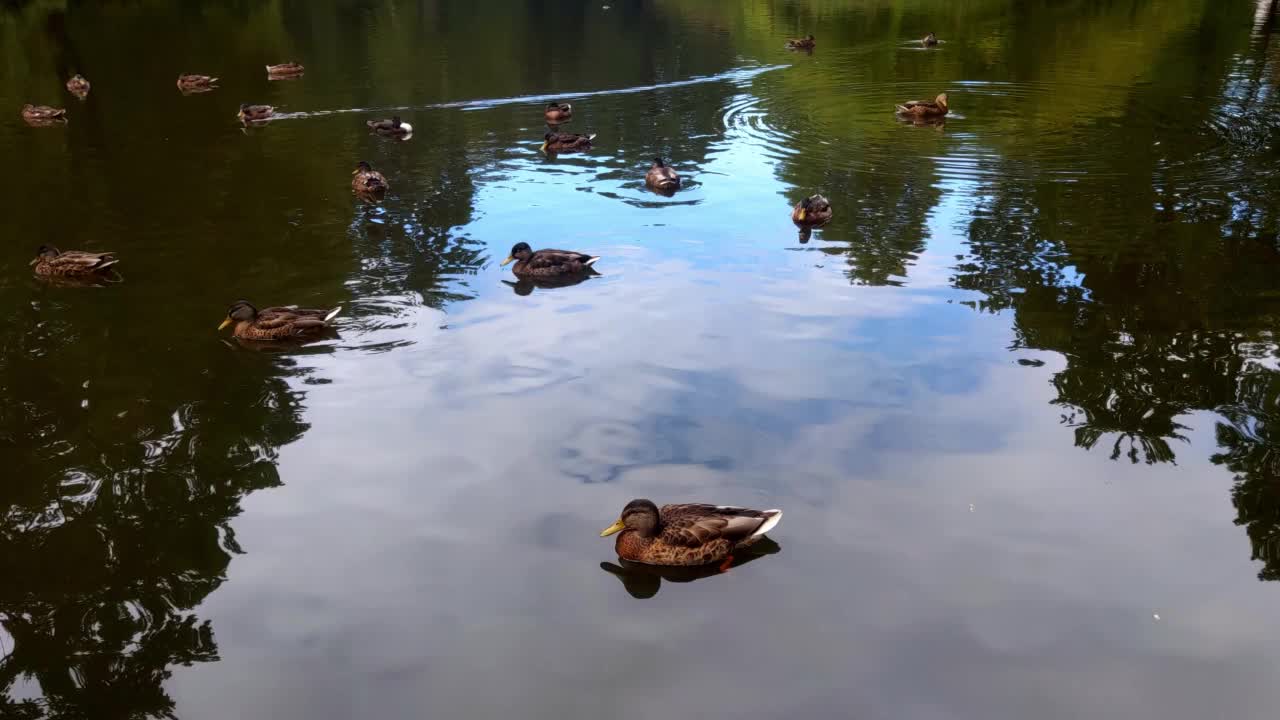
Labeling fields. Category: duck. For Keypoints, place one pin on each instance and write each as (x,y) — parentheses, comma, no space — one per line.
(78,86)
(813,210)
(548,263)
(393,127)
(284,70)
(277,323)
(51,261)
(662,178)
(554,142)
(367,180)
(194,83)
(45,113)
(804,43)
(255,113)
(921,108)
(687,534)
(558,112)
(929,40)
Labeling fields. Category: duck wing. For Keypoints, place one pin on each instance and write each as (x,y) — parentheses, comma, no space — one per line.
(84,261)
(696,524)
(552,258)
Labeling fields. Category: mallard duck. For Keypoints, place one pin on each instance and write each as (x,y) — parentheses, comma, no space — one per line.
(662,178)
(277,323)
(196,83)
(547,263)
(37,113)
(284,70)
(804,43)
(565,142)
(72,263)
(255,113)
(392,127)
(813,210)
(929,40)
(644,581)
(367,180)
(557,113)
(78,86)
(920,108)
(687,534)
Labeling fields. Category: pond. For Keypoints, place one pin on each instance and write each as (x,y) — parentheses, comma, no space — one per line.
(1019,399)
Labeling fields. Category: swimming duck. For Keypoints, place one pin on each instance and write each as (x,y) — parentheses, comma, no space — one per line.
(662,178)
(687,534)
(284,70)
(196,83)
(804,43)
(277,323)
(919,108)
(367,180)
(51,261)
(558,112)
(255,113)
(566,142)
(929,40)
(78,86)
(42,113)
(813,210)
(392,127)
(547,263)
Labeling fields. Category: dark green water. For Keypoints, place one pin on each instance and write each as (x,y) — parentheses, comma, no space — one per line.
(1020,400)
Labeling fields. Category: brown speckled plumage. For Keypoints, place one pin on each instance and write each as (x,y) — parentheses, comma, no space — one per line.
(72,263)
(686,534)
(547,264)
(196,83)
(41,114)
(365,180)
(557,113)
(924,108)
(558,142)
(277,323)
(813,210)
(284,71)
(78,86)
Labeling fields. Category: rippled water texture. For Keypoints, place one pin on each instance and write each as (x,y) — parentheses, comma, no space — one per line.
(1019,398)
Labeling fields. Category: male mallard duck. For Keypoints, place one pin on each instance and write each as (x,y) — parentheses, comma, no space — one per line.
(813,210)
(277,323)
(284,70)
(72,263)
(558,112)
(920,108)
(42,113)
(547,263)
(255,113)
(687,534)
(392,127)
(662,178)
(367,180)
(929,40)
(196,83)
(566,142)
(78,86)
(804,43)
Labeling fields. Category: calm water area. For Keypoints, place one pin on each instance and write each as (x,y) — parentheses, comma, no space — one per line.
(1019,399)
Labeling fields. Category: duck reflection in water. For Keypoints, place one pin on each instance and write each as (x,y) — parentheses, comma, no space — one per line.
(526,286)
(644,581)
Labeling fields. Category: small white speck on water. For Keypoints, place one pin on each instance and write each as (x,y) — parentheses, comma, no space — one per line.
(84,404)
(85,385)
(970,507)
(1155,616)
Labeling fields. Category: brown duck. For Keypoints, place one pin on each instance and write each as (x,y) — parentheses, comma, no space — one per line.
(392,128)
(813,210)
(662,178)
(196,83)
(555,142)
(687,534)
(804,43)
(929,40)
(284,71)
(922,108)
(367,180)
(78,86)
(72,263)
(548,263)
(277,323)
(255,113)
(42,113)
(557,113)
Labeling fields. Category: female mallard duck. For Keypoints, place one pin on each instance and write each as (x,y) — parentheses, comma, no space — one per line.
(565,142)
(277,323)
(922,108)
(72,263)
(42,113)
(804,43)
(687,534)
(662,178)
(392,127)
(548,263)
(557,113)
(255,113)
(78,86)
(929,40)
(284,70)
(196,83)
(813,210)
(367,180)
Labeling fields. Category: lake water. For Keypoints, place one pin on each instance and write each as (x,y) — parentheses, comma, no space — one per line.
(1020,399)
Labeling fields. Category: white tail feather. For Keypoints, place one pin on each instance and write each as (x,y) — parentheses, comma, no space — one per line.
(591,260)
(770,522)
(592,136)
(333,313)
(407,127)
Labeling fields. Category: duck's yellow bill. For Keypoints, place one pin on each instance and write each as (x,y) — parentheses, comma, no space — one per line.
(616,527)
(802,212)
(224,323)
(504,262)
(543,148)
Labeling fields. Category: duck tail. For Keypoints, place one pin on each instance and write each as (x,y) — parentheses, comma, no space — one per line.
(592,136)
(591,260)
(771,520)
(333,313)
